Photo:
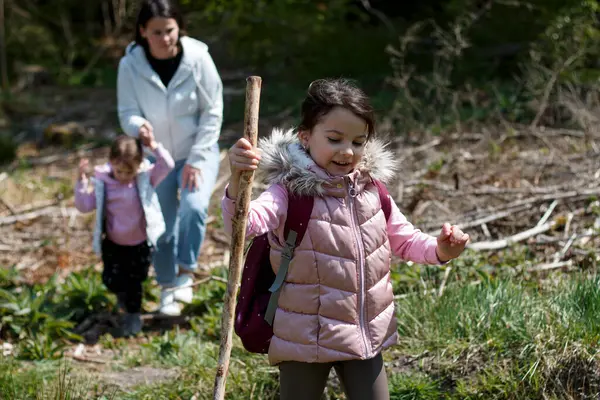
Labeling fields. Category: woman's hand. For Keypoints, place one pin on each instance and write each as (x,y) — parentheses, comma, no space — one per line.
(451,242)
(147,138)
(242,157)
(146,130)
(190,178)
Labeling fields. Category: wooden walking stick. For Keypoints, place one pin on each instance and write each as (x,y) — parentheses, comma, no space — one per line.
(236,263)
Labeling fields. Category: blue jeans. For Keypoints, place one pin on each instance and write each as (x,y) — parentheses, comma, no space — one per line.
(185,214)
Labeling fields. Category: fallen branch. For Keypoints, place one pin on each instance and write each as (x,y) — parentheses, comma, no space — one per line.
(11,209)
(29,216)
(22,247)
(35,206)
(514,207)
(87,360)
(202,281)
(547,214)
(502,243)
(550,266)
(558,256)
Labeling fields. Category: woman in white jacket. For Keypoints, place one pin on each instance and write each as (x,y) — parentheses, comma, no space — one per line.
(168,84)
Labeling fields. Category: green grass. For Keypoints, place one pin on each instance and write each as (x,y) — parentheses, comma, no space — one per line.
(500,339)
(44,380)
(510,336)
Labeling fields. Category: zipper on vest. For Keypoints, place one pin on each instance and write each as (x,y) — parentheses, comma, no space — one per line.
(352,192)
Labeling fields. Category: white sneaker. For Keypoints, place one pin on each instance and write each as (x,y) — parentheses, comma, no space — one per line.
(183,289)
(168,306)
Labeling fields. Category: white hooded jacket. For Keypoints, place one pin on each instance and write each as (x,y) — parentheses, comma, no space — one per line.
(187,114)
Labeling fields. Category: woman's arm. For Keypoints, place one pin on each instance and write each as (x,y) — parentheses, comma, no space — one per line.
(210,90)
(130,115)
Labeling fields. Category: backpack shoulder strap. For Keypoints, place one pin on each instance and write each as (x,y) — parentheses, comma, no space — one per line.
(296,222)
(384,197)
(298,215)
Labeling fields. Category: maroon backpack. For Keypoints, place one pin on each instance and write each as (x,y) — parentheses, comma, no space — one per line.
(259,290)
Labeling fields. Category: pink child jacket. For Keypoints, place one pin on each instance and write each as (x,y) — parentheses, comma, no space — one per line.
(337,302)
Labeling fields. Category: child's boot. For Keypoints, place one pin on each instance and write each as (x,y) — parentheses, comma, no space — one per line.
(132,324)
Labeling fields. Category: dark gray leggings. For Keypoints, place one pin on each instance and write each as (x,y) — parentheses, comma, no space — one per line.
(361,379)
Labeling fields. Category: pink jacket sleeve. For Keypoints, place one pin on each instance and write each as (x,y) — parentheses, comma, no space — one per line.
(410,243)
(265,214)
(163,165)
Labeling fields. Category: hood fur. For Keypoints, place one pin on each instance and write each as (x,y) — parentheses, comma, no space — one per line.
(284,161)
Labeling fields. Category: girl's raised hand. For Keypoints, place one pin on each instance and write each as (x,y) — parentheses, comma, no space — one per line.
(83,169)
(451,242)
(243,157)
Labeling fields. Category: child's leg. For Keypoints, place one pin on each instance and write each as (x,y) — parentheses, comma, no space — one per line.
(125,269)
(364,379)
(112,260)
(303,381)
(140,258)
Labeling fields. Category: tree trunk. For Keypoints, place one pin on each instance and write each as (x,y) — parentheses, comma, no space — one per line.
(3,63)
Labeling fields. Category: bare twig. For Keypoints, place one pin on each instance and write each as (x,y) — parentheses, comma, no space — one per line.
(87,360)
(550,266)
(558,256)
(11,209)
(547,214)
(514,207)
(551,83)
(29,216)
(485,230)
(444,281)
(568,225)
(502,243)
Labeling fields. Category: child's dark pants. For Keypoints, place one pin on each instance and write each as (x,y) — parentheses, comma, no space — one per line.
(125,269)
(360,379)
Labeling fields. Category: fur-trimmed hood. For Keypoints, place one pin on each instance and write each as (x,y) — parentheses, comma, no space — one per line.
(284,161)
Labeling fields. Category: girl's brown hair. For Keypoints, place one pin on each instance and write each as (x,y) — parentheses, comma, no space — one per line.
(127,150)
(325,94)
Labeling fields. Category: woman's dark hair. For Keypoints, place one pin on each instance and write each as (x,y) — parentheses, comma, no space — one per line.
(157,9)
(326,94)
(127,150)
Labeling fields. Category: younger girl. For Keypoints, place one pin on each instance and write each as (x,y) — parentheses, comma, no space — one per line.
(336,308)
(128,217)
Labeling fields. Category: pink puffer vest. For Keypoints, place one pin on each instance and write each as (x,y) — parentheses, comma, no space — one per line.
(337,301)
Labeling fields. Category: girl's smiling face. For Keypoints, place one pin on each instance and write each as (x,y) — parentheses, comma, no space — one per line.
(337,141)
